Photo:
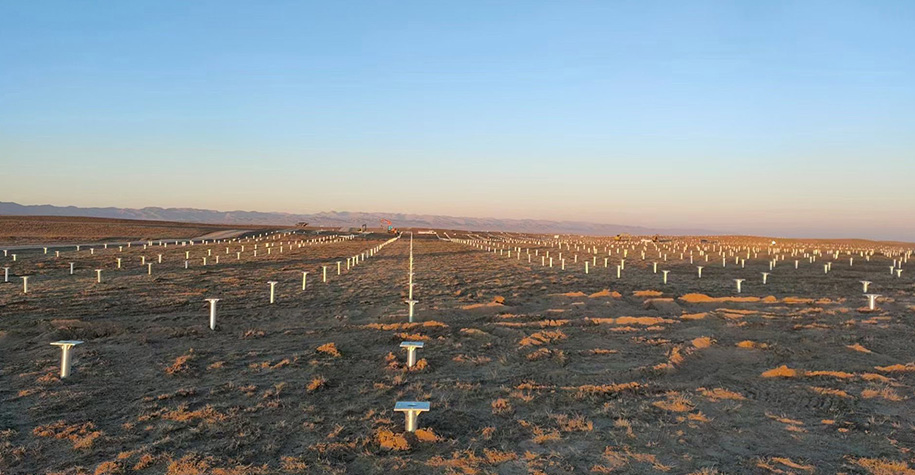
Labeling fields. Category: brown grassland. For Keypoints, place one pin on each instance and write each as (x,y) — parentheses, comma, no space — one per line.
(528,369)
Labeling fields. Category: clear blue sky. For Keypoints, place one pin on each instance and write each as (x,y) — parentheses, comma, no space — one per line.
(767,117)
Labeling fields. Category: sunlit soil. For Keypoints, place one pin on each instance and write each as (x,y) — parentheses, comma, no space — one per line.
(528,369)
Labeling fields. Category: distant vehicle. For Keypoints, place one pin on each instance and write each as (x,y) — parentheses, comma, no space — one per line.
(622,237)
(389,226)
(301,224)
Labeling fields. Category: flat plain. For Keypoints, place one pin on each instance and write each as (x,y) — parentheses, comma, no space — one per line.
(528,368)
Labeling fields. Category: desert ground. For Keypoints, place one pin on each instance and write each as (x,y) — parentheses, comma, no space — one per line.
(57,230)
(528,368)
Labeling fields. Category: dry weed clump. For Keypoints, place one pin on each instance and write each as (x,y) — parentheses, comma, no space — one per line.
(884,467)
(316,383)
(791,425)
(644,321)
(829,391)
(9,453)
(469,463)
(600,351)
(858,347)
(412,337)
(771,464)
(193,464)
(749,344)
(181,364)
(389,440)
(498,301)
(539,354)
(875,377)
(572,424)
(693,316)
(292,464)
(109,467)
(542,436)
(207,414)
(542,338)
(833,374)
(329,349)
(252,334)
(539,323)
(606,293)
(501,406)
(647,293)
(780,372)
(572,294)
(615,460)
(83,436)
(474,332)
(702,342)
(702,298)
(896,368)
(405,326)
(426,435)
(718,394)
(886,393)
(675,402)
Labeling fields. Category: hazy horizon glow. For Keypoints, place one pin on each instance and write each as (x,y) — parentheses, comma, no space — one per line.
(767,118)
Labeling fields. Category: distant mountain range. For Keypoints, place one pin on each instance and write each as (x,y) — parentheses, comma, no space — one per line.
(341,219)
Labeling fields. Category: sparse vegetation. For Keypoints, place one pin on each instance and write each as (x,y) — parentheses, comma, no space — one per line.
(627,380)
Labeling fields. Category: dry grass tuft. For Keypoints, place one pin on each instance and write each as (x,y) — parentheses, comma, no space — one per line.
(702,342)
(749,344)
(603,389)
(542,435)
(208,414)
(693,316)
(702,298)
(771,464)
(780,372)
(858,347)
(719,394)
(292,464)
(897,368)
(426,435)
(108,468)
(542,338)
(606,293)
(647,293)
(405,326)
(501,406)
(413,337)
(329,349)
(389,440)
(675,402)
(181,364)
(884,467)
(645,321)
(573,424)
(829,391)
(83,436)
(600,351)
(316,383)
(496,457)
(886,393)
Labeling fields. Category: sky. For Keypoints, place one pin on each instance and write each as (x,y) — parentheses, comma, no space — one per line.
(783,118)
